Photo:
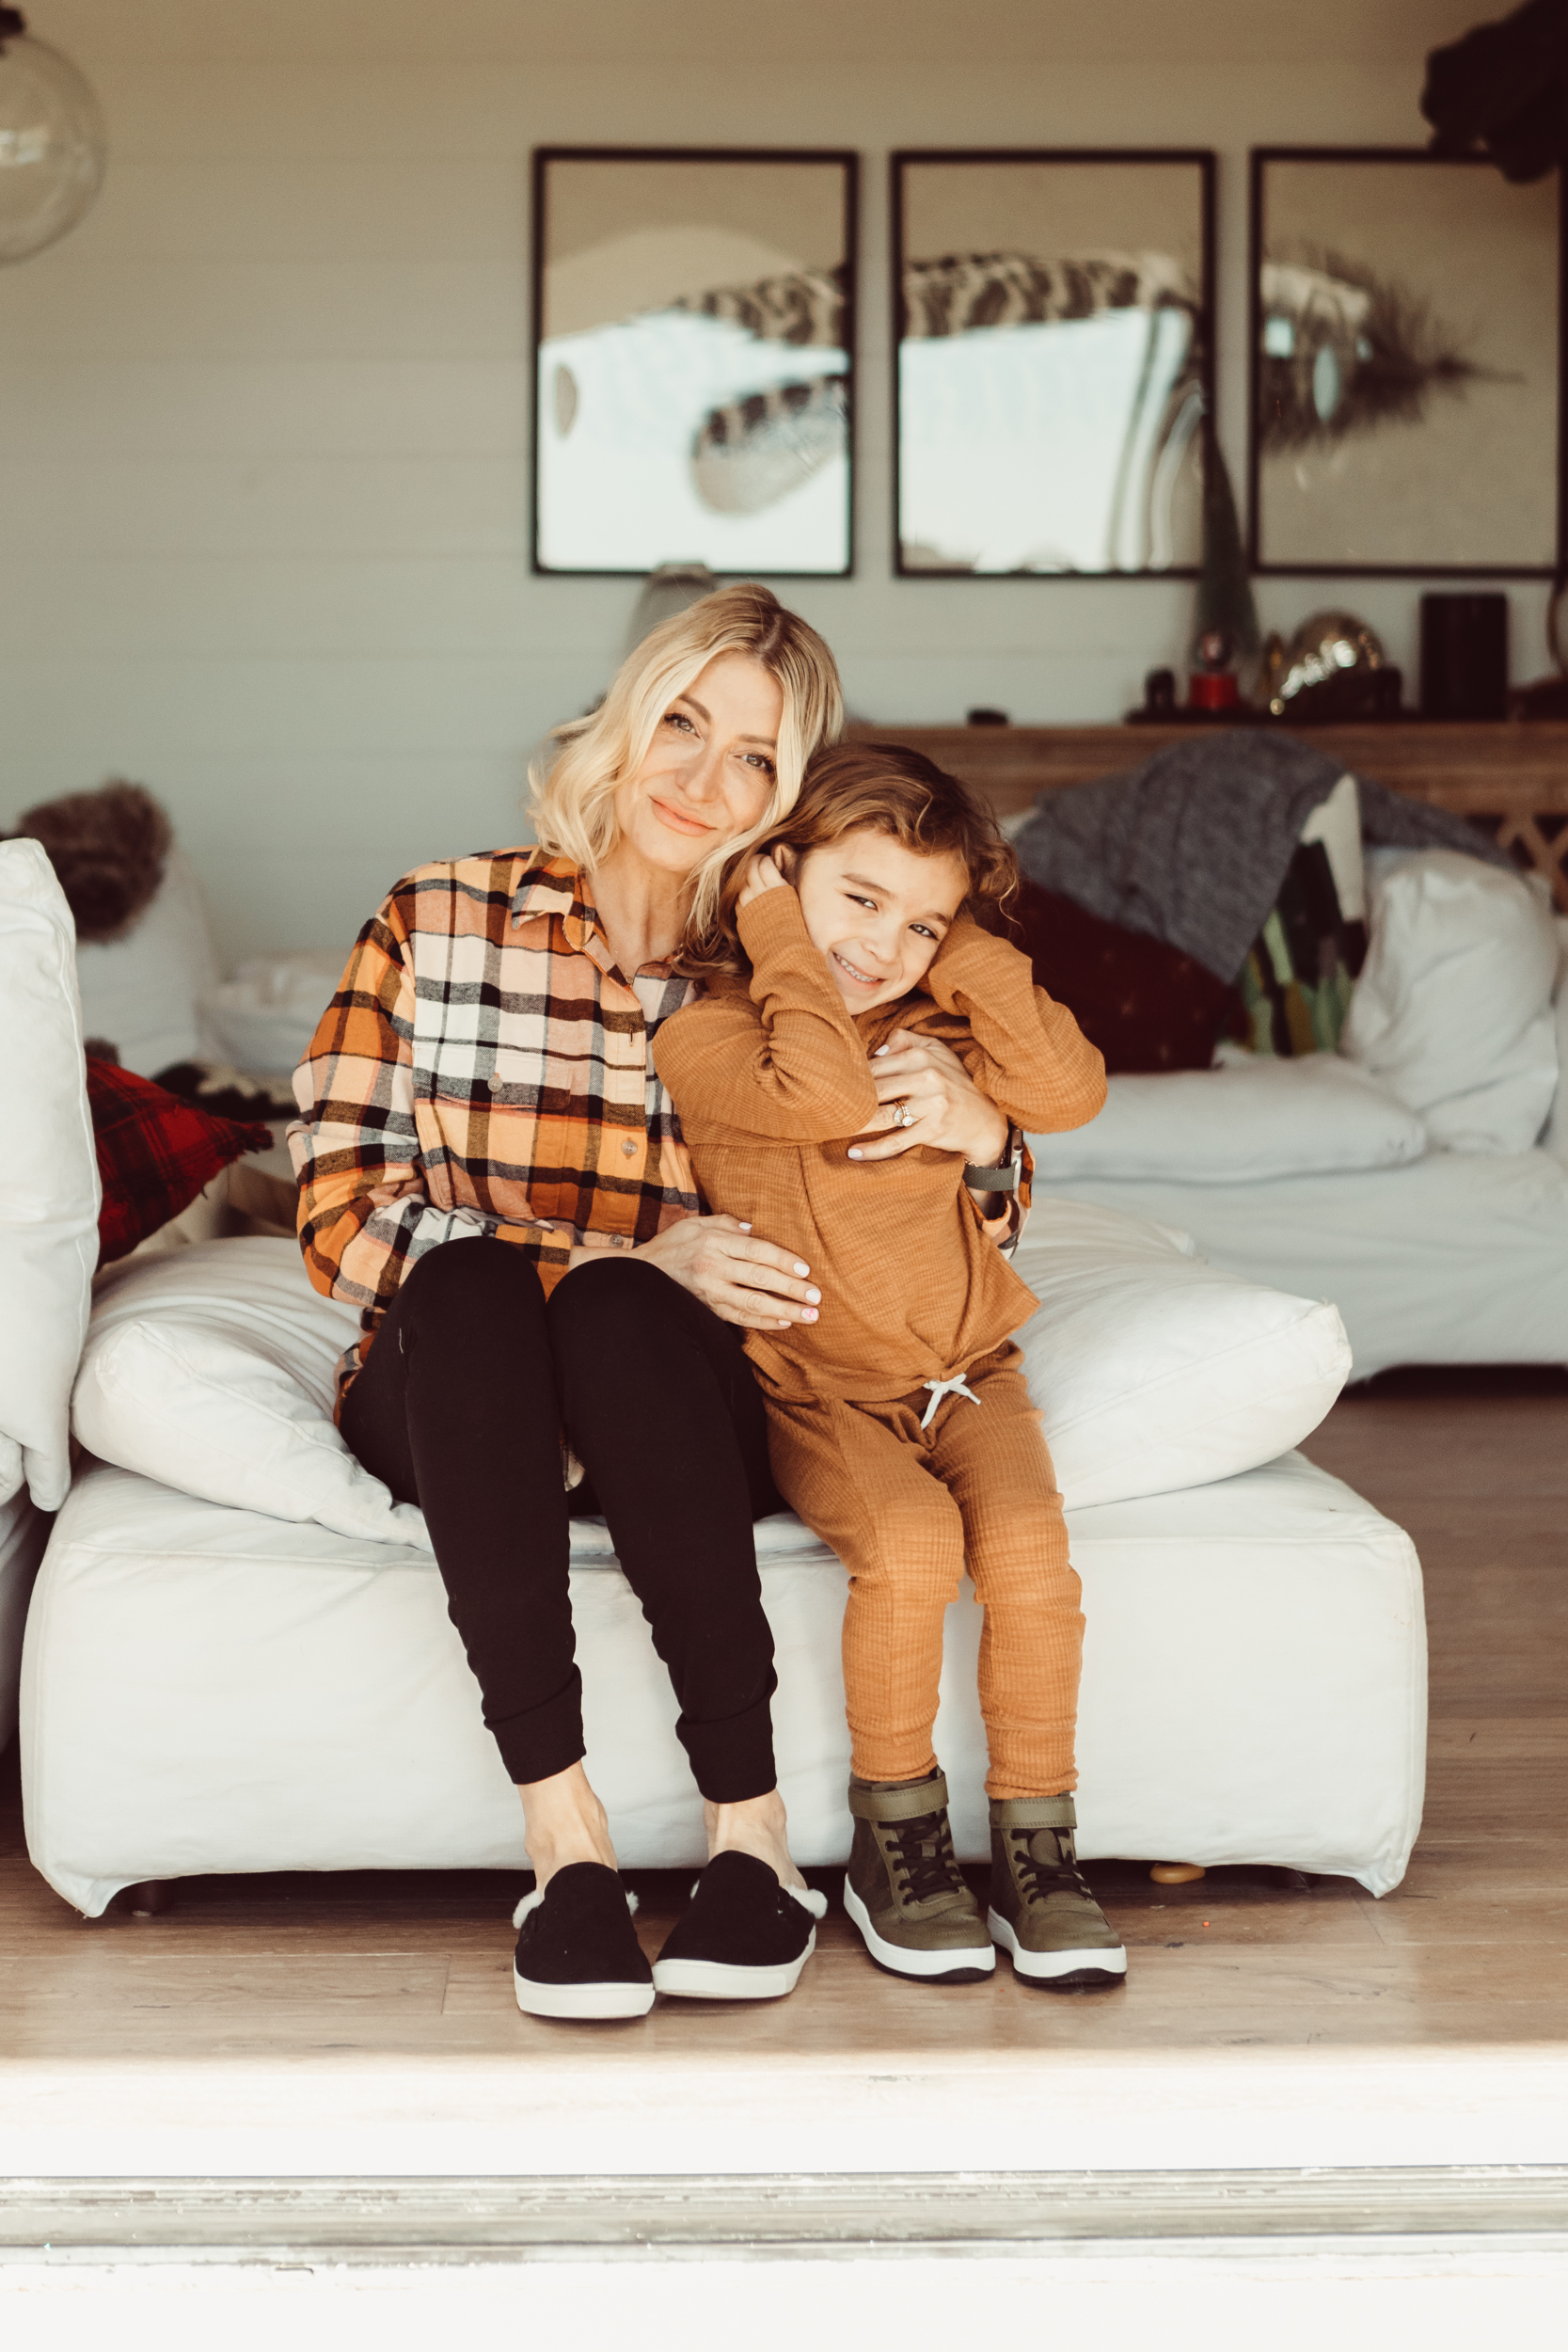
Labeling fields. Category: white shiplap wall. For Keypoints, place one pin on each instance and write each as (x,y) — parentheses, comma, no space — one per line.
(264,496)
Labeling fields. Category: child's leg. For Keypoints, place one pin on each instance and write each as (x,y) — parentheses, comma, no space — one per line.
(861,1477)
(993,1461)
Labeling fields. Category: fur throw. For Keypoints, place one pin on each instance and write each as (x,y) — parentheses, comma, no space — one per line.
(108,849)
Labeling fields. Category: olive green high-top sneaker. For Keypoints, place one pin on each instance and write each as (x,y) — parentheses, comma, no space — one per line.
(905,1891)
(1040,1909)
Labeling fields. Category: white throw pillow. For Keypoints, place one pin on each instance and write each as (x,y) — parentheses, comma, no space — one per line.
(1255,1117)
(211,1371)
(263,1019)
(1154,1371)
(1556,1137)
(1452,1011)
(140,991)
(49,1190)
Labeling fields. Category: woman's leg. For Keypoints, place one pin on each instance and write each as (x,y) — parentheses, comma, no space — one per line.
(660,1406)
(456,1410)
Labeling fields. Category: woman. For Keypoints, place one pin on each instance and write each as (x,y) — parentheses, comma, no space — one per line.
(483,1077)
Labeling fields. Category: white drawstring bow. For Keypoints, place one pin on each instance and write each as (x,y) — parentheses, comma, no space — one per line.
(958,1386)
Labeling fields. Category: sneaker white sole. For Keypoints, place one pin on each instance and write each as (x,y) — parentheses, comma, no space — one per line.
(582,2000)
(1089,1966)
(957,1967)
(722,1980)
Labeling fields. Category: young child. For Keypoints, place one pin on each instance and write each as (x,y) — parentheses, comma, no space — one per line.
(899,1424)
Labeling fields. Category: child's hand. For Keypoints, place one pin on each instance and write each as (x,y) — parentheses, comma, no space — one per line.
(764,875)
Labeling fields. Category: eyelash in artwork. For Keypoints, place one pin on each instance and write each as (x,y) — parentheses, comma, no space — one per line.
(1345,351)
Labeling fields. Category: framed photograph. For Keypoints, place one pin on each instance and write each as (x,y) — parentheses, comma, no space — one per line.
(1407,365)
(1052,318)
(694,322)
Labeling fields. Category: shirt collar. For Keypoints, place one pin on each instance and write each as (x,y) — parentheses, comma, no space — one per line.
(554,885)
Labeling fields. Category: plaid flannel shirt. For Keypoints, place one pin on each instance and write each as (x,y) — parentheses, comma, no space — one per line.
(482,1069)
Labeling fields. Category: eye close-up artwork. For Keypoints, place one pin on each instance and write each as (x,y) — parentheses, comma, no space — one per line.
(1406,410)
(693,319)
(1053,360)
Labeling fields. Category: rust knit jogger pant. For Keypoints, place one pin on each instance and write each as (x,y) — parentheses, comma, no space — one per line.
(903,1507)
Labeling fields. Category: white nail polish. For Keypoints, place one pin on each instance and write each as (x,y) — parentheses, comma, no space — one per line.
(856,1154)
(800,1268)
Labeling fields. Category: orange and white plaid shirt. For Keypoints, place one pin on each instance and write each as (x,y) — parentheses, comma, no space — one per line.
(484,1069)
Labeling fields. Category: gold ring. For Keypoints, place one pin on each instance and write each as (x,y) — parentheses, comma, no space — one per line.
(903,1116)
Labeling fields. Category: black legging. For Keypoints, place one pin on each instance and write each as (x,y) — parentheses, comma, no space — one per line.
(460,1408)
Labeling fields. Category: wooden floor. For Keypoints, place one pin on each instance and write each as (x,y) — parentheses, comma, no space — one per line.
(1472,1949)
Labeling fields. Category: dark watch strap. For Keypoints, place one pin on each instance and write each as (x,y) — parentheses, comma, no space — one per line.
(993,1179)
(1003,1179)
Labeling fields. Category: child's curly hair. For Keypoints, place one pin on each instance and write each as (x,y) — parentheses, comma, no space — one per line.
(882,787)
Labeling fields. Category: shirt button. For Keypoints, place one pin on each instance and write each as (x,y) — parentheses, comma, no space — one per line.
(629,1148)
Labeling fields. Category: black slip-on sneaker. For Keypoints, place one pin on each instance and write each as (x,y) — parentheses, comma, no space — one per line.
(577,1954)
(745,1938)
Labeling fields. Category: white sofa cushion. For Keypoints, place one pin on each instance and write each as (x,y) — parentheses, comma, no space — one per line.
(1154,1371)
(1556,1136)
(49,1190)
(1256,1117)
(1453,1011)
(209,1690)
(263,1019)
(212,1371)
(140,991)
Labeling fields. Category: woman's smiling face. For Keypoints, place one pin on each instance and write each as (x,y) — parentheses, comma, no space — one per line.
(710,768)
(878,912)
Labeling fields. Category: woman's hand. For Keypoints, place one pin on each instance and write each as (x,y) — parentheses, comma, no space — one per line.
(743,1280)
(950,1113)
(762,875)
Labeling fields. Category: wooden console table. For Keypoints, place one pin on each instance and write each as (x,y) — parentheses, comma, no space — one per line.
(1510,778)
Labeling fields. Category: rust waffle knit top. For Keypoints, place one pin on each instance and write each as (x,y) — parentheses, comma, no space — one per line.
(771,1083)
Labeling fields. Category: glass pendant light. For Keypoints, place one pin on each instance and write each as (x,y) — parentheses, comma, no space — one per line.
(52,145)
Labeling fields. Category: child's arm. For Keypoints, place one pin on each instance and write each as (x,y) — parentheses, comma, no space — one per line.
(784,1059)
(1025,1053)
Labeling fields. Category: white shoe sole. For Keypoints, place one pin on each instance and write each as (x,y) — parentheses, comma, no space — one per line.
(1089,1966)
(960,1966)
(722,1980)
(582,2000)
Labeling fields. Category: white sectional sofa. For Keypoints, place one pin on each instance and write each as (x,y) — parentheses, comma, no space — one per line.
(1419,1180)
(257,1633)
(237,1655)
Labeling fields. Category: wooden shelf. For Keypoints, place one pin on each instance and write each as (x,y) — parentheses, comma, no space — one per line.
(1511,776)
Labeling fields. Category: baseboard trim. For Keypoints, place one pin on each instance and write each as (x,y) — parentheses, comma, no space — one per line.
(478,2219)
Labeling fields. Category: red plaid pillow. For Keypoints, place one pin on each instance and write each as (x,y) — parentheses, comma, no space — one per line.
(1146,1005)
(155,1154)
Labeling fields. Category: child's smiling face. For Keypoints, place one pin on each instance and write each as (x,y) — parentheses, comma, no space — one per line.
(877,911)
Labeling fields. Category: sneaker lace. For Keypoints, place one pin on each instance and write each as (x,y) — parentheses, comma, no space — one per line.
(924,1856)
(1053,1871)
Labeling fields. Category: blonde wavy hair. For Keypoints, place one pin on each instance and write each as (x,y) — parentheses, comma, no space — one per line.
(572,798)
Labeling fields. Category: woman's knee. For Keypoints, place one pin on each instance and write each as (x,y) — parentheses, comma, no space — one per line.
(471,1285)
(612,1306)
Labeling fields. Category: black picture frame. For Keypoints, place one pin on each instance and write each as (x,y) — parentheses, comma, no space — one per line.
(846,162)
(1201,161)
(1283,566)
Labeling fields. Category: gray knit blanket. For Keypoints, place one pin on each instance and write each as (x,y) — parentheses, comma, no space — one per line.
(1192,846)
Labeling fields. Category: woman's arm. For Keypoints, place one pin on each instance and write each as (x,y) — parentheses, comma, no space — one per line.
(783,1059)
(364,1216)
